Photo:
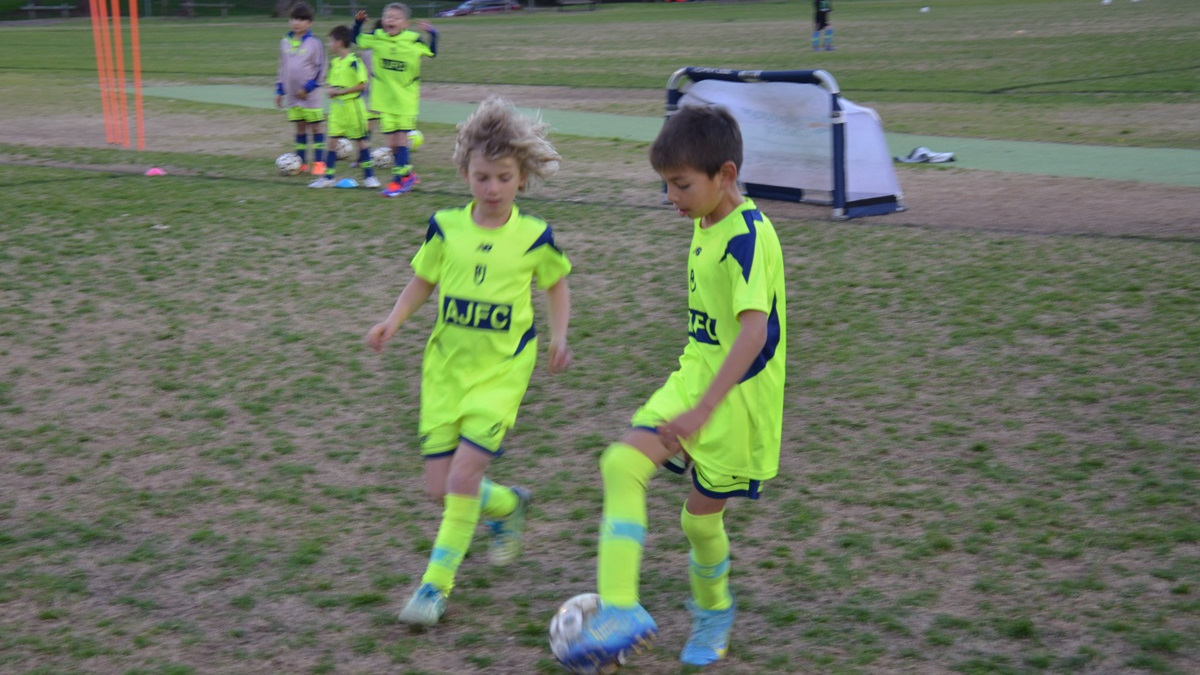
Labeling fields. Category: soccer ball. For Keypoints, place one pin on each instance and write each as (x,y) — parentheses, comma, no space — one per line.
(382,158)
(288,164)
(345,148)
(567,627)
(415,139)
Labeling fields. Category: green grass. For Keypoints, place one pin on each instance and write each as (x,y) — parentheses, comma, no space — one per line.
(991,441)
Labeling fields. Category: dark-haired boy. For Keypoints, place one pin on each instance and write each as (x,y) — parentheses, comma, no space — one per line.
(721,411)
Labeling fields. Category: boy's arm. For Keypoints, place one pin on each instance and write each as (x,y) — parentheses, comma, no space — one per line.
(558,299)
(279,93)
(411,298)
(359,19)
(433,35)
(749,344)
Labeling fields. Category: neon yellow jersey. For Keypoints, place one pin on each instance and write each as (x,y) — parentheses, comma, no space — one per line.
(484,277)
(345,72)
(734,266)
(396,61)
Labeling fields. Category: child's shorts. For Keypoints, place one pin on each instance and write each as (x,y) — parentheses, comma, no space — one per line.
(347,119)
(310,115)
(390,124)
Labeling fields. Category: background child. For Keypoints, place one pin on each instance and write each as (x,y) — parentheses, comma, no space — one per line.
(396,86)
(722,409)
(482,258)
(301,64)
(821,11)
(347,115)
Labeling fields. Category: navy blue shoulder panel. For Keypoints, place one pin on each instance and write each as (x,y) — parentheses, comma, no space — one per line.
(545,239)
(741,247)
(434,230)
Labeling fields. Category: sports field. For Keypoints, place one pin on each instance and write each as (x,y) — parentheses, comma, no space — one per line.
(991,443)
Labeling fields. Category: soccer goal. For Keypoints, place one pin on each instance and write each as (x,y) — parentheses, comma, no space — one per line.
(803,142)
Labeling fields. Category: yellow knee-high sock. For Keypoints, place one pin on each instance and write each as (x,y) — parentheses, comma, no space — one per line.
(496,501)
(623,531)
(709,560)
(454,538)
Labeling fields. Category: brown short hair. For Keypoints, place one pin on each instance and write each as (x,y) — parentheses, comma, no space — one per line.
(302,11)
(700,137)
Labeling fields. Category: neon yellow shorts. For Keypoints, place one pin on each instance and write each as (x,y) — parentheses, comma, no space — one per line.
(478,408)
(347,119)
(719,451)
(310,115)
(389,123)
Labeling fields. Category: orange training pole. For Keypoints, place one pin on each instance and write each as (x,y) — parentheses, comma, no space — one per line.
(135,44)
(119,52)
(101,69)
(109,75)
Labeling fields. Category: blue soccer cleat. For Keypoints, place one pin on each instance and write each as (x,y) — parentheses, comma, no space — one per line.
(425,607)
(608,636)
(508,532)
(710,635)
(401,184)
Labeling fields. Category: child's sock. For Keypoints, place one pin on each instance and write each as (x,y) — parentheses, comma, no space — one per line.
(330,164)
(364,160)
(319,148)
(829,37)
(459,519)
(816,39)
(623,530)
(709,561)
(401,166)
(496,501)
(302,147)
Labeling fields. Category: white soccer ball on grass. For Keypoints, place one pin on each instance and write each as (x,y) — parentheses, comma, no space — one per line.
(568,626)
(288,164)
(345,148)
(382,158)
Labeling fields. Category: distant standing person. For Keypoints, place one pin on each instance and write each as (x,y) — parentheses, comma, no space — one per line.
(396,54)
(822,9)
(298,87)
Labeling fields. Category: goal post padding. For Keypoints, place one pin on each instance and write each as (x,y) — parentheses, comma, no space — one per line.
(803,142)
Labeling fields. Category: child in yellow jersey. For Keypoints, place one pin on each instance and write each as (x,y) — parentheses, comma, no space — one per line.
(482,258)
(346,82)
(396,54)
(721,411)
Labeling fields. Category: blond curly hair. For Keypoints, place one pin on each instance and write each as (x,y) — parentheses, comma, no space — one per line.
(498,130)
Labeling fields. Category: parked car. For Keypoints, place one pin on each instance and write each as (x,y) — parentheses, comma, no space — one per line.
(481,7)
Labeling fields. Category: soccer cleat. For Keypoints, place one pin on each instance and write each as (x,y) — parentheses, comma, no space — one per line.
(318,168)
(346,183)
(425,607)
(370,182)
(828,48)
(401,184)
(609,636)
(710,635)
(508,532)
(303,169)
(322,182)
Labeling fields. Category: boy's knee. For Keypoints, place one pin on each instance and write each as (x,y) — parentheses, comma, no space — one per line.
(622,462)
(702,528)
(436,493)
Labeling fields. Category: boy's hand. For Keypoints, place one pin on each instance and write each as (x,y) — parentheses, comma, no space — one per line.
(360,15)
(560,356)
(279,100)
(379,334)
(673,433)
(425,25)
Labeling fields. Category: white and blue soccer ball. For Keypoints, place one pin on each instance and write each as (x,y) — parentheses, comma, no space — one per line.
(288,164)
(567,628)
(345,148)
(415,139)
(382,158)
